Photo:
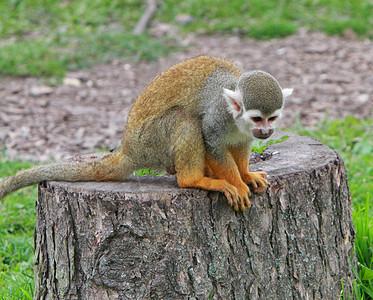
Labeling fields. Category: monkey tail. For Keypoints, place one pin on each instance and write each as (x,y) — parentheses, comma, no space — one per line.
(111,167)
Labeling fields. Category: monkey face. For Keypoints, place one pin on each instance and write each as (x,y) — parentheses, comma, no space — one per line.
(253,122)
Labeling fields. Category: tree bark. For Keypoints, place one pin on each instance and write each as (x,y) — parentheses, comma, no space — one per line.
(149,239)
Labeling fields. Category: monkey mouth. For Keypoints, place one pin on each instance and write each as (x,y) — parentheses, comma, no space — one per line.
(263,136)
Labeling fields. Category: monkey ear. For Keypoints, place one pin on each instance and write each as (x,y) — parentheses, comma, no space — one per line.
(234,101)
(287,92)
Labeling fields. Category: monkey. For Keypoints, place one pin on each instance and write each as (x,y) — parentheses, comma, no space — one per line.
(197,119)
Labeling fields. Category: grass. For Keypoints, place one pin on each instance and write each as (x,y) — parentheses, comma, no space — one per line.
(17,220)
(47,38)
(151,172)
(275,19)
(259,146)
(350,137)
(364,249)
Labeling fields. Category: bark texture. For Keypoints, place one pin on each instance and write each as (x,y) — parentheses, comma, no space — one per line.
(149,239)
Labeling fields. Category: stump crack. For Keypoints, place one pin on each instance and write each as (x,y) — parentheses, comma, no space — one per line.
(213,239)
(76,246)
(55,281)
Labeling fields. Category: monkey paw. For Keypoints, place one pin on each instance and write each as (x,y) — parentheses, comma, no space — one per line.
(256,180)
(238,198)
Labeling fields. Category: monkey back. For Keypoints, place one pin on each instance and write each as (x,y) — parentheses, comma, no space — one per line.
(178,86)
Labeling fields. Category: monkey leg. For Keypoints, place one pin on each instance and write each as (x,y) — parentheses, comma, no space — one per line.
(189,161)
(197,180)
(228,170)
(257,180)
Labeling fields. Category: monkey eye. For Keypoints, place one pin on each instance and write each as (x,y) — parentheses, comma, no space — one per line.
(256,119)
(272,118)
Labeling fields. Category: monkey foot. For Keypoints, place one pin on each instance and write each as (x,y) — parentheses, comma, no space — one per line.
(257,181)
(238,198)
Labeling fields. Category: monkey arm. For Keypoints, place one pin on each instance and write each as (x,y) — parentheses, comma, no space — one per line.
(257,180)
(227,169)
(191,162)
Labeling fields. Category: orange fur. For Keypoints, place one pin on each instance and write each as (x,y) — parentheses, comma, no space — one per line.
(229,175)
(257,180)
(197,180)
(228,170)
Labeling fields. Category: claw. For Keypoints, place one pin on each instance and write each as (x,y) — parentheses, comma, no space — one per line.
(254,184)
(248,194)
(229,199)
(238,198)
(244,194)
(243,207)
(235,207)
(247,201)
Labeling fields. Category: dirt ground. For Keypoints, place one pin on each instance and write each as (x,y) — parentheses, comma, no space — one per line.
(331,76)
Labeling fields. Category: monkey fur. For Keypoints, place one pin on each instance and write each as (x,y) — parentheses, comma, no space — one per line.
(196,120)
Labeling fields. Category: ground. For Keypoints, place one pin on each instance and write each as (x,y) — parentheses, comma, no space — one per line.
(331,76)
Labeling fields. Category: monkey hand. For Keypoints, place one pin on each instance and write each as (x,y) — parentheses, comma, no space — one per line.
(256,180)
(238,197)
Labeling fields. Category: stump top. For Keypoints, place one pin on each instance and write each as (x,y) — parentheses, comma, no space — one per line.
(297,154)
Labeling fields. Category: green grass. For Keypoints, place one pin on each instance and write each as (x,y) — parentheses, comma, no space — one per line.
(274,19)
(46,38)
(364,249)
(352,139)
(259,146)
(17,220)
(43,58)
(151,172)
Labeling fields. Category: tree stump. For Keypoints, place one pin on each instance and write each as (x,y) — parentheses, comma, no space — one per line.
(149,239)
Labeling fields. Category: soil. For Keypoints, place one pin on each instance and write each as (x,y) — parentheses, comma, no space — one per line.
(332,77)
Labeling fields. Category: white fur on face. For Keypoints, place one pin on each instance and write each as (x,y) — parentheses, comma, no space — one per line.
(244,119)
(245,122)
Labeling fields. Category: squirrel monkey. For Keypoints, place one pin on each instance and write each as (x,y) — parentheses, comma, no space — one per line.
(197,120)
